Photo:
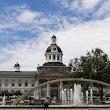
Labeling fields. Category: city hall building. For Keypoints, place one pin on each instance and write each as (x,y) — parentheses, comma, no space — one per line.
(52,69)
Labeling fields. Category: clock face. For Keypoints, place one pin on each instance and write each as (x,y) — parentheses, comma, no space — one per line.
(54,49)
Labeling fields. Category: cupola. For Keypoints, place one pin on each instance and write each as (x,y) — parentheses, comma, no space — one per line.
(53,52)
(17,67)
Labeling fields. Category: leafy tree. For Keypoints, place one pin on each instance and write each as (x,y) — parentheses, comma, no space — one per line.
(17,93)
(94,65)
(4,92)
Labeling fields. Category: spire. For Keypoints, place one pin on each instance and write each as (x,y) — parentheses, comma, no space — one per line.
(53,39)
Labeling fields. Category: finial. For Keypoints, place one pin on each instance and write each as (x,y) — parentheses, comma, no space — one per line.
(53,39)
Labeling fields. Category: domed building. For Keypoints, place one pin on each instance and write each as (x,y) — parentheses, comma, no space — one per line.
(52,69)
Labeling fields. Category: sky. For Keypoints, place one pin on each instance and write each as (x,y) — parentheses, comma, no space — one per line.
(26,28)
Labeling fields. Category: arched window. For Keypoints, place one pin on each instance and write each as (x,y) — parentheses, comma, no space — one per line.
(32,82)
(13,83)
(25,90)
(53,57)
(46,57)
(58,57)
(0,83)
(19,82)
(26,83)
(49,57)
(6,82)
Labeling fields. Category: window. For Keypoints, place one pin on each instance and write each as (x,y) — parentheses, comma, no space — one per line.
(0,83)
(13,83)
(58,57)
(26,83)
(49,57)
(6,82)
(53,57)
(19,82)
(32,82)
(54,49)
(46,57)
(25,90)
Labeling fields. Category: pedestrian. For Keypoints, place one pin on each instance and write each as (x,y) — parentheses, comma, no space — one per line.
(46,105)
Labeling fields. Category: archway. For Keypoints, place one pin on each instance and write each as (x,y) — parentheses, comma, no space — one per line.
(59,80)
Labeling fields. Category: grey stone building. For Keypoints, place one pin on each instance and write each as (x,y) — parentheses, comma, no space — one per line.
(52,69)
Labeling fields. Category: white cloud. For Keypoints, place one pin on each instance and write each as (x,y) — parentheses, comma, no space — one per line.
(104,9)
(28,54)
(74,40)
(27,16)
(97,8)
(79,4)
(64,2)
(77,40)
(89,4)
(22,18)
(74,5)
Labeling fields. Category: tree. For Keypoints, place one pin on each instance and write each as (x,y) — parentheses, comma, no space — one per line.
(17,93)
(94,65)
(4,92)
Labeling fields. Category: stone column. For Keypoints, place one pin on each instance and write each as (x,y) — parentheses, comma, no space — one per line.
(48,90)
(56,58)
(61,87)
(36,92)
(51,58)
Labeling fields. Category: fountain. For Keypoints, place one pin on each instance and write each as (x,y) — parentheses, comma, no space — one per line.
(70,97)
(76,97)
(77,94)
(3,100)
(91,96)
(87,97)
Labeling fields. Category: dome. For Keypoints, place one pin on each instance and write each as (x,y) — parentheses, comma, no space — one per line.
(53,46)
(53,36)
(17,64)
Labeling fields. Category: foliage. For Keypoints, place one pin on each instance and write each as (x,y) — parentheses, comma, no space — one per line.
(7,93)
(94,65)
(96,93)
(4,92)
(17,93)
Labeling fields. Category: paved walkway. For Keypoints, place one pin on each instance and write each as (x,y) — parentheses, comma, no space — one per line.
(58,107)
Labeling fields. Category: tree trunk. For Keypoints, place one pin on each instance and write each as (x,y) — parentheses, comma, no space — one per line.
(100,87)
(101,94)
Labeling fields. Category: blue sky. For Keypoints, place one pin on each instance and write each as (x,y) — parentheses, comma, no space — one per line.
(26,27)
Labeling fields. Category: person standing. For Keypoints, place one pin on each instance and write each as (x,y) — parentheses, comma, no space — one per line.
(46,105)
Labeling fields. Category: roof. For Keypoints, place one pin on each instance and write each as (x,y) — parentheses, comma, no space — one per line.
(53,64)
(53,36)
(18,74)
(53,45)
(17,64)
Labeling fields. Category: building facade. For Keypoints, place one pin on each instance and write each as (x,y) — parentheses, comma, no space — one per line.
(52,69)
